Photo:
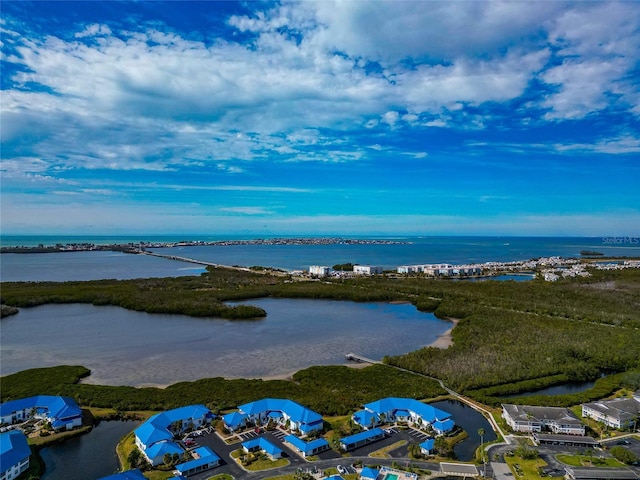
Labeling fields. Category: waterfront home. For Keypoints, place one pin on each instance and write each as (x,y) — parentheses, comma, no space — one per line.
(404,410)
(261,444)
(526,418)
(134,474)
(203,459)
(617,413)
(307,449)
(62,413)
(285,413)
(14,454)
(361,439)
(155,437)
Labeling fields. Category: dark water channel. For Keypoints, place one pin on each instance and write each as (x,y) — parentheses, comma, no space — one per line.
(570,387)
(471,421)
(88,456)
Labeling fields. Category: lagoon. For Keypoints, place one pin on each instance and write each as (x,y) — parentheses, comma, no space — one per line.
(124,347)
(470,421)
(88,456)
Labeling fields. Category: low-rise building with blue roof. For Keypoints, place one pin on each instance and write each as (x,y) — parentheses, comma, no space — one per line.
(413,412)
(155,437)
(262,444)
(204,459)
(281,411)
(134,474)
(428,446)
(62,412)
(443,426)
(234,420)
(307,449)
(366,419)
(14,454)
(361,439)
(368,473)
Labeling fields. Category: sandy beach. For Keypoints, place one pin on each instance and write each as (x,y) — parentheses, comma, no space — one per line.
(446,340)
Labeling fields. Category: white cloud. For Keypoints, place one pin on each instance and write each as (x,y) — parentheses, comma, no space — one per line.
(246,210)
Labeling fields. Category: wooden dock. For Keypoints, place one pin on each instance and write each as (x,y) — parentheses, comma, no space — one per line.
(353,357)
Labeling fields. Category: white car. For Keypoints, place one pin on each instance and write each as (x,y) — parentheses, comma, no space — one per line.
(341,470)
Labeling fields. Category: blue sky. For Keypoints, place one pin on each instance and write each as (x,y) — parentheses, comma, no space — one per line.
(363,117)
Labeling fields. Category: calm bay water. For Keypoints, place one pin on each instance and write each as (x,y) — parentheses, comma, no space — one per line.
(72,266)
(455,250)
(89,456)
(123,347)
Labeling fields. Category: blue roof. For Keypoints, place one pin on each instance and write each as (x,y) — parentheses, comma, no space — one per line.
(402,413)
(428,444)
(234,419)
(392,404)
(156,428)
(263,444)
(160,449)
(305,447)
(351,439)
(184,413)
(206,456)
(13,449)
(444,425)
(366,418)
(150,433)
(296,412)
(310,427)
(368,472)
(55,406)
(128,475)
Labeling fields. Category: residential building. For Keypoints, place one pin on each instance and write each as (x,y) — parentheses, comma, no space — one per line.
(568,440)
(264,445)
(580,473)
(203,459)
(319,270)
(62,413)
(307,449)
(428,446)
(526,418)
(619,413)
(369,473)
(155,437)
(367,270)
(135,474)
(404,410)
(14,454)
(286,413)
(361,439)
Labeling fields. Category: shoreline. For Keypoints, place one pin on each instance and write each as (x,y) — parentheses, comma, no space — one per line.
(445,340)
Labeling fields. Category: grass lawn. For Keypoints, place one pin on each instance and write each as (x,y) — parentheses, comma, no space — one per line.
(157,475)
(383,452)
(525,469)
(283,477)
(589,461)
(222,476)
(261,463)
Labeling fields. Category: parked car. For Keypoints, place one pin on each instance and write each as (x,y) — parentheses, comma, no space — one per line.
(342,470)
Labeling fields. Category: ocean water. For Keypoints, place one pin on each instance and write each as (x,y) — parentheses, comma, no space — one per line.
(413,250)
